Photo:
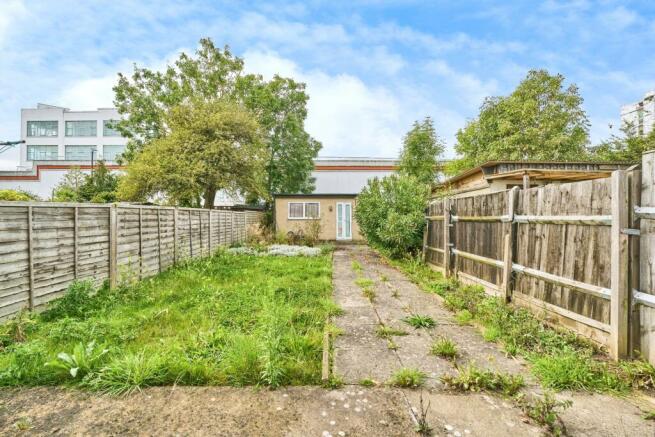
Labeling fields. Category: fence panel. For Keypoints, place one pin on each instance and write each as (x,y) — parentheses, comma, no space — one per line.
(434,242)
(45,246)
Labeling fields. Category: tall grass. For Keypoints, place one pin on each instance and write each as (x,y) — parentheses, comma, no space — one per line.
(229,319)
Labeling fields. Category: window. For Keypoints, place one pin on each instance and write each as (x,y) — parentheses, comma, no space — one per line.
(42,128)
(108,129)
(42,153)
(83,128)
(304,210)
(80,153)
(111,153)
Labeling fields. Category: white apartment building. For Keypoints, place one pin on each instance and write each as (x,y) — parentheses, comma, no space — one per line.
(58,139)
(52,133)
(640,116)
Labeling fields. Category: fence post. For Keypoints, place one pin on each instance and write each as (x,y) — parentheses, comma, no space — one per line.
(508,245)
(140,243)
(159,238)
(209,221)
(30,256)
(76,226)
(113,246)
(446,237)
(647,256)
(175,235)
(190,236)
(634,186)
(620,283)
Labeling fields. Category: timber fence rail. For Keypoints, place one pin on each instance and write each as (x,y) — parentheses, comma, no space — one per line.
(46,246)
(581,253)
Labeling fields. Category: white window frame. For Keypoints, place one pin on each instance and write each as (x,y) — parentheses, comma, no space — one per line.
(44,156)
(304,211)
(105,128)
(56,130)
(74,134)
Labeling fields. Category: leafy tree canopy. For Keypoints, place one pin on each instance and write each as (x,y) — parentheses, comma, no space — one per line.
(421,151)
(209,146)
(99,187)
(626,147)
(280,106)
(539,120)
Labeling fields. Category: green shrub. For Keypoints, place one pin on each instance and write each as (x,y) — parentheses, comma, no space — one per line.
(390,213)
(17,195)
(408,378)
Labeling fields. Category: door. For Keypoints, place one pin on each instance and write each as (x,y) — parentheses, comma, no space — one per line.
(344,221)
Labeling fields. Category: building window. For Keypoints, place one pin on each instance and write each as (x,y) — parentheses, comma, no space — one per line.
(80,153)
(42,128)
(42,153)
(304,210)
(108,129)
(111,153)
(82,128)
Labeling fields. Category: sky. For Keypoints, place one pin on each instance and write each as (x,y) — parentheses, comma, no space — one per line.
(372,67)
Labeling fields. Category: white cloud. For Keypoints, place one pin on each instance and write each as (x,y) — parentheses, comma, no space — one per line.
(10,12)
(618,19)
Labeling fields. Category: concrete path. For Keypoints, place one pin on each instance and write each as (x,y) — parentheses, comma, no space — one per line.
(361,354)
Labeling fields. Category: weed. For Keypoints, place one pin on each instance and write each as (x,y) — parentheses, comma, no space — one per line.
(327,248)
(472,378)
(423,427)
(391,345)
(23,424)
(649,415)
(356,266)
(491,333)
(445,348)
(420,321)
(407,377)
(464,317)
(334,382)
(387,331)
(545,411)
(82,361)
(367,382)
(384,278)
(369,294)
(639,372)
(364,282)
(76,303)
(394,293)
(15,330)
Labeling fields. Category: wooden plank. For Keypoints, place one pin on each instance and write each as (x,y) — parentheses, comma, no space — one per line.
(76,233)
(30,256)
(113,247)
(159,238)
(446,238)
(592,220)
(478,258)
(620,284)
(564,282)
(509,244)
(647,258)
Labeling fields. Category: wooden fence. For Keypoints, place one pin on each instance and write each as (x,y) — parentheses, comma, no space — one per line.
(46,246)
(581,253)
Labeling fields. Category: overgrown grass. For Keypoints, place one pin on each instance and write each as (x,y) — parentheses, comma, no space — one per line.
(388,332)
(229,319)
(560,359)
(364,282)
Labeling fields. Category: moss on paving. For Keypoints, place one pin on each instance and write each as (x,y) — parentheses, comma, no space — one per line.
(229,319)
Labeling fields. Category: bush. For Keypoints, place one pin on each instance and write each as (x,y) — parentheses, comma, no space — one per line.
(390,213)
(17,195)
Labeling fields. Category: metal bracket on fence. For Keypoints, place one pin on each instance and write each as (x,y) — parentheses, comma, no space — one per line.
(645,212)
(641,298)
(630,231)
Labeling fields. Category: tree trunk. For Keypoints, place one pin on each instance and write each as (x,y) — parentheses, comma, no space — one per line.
(209,196)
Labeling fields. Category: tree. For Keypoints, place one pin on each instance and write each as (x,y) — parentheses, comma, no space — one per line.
(208,146)
(391,213)
(99,187)
(213,74)
(539,120)
(627,147)
(421,151)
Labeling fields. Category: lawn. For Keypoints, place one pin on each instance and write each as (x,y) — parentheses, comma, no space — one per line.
(226,320)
